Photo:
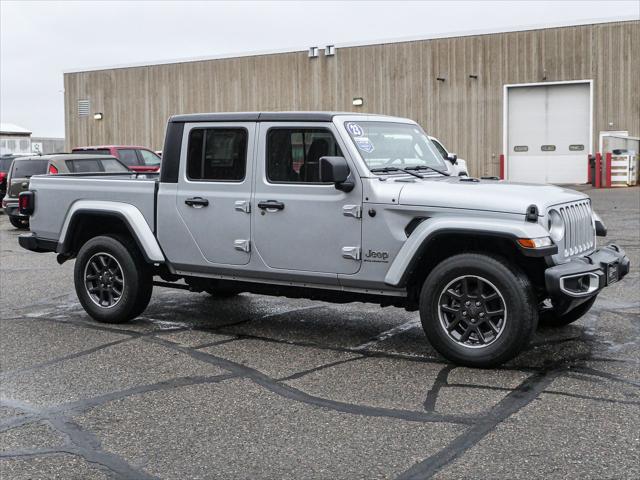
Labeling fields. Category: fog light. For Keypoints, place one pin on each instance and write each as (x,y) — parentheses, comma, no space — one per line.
(580,285)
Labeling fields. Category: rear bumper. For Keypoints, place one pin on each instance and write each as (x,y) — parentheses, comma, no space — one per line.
(31,242)
(575,282)
(11,209)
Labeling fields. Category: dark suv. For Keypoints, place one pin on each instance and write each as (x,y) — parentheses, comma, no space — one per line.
(5,165)
(22,168)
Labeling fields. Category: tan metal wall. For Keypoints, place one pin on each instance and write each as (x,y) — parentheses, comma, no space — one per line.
(395,79)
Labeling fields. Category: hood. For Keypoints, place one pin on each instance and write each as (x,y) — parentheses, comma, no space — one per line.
(490,195)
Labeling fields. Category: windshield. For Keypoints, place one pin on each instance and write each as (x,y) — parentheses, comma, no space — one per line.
(388,144)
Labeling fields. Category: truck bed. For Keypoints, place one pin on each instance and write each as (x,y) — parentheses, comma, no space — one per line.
(56,194)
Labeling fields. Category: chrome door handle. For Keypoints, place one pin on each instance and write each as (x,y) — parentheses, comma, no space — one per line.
(197,202)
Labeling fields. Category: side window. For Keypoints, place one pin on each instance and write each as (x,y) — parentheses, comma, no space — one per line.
(217,154)
(293,154)
(149,158)
(112,165)
(128,156)
(440,149)
(84,166)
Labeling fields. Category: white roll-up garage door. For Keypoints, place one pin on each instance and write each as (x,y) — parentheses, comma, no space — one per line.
(548,132)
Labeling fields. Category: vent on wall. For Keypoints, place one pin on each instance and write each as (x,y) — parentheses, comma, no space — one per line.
(83,108)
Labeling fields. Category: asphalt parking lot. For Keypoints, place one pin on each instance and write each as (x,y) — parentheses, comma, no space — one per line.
(260,387)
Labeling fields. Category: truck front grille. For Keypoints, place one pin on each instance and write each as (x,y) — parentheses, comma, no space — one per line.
(579,237)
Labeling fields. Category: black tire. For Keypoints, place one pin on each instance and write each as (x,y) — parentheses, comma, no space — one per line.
(490,342)
(20,223)
(549,318)
(135,289)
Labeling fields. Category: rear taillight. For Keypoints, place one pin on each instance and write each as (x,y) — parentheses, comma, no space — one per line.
(3,176)
(52,170)
(26,203)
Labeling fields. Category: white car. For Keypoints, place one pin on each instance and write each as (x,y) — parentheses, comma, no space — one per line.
(458,166)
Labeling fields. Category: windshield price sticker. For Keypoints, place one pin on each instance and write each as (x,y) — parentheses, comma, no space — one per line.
(364,144)
(355,129)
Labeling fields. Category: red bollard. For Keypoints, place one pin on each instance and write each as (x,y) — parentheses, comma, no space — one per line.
(501,166)
(598,169)
(608,170)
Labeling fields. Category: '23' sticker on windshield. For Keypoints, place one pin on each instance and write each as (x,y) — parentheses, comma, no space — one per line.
(355,129)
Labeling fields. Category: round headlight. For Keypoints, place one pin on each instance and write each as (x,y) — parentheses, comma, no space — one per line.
(556,226)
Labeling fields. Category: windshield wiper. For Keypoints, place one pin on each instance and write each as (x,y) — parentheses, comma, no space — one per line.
(427,167)
(395,169)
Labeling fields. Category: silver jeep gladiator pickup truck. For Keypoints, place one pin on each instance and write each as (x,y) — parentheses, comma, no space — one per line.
(335,207)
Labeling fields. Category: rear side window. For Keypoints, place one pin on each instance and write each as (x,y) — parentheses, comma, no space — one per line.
(90,165)
(113,165)
(293,154)
(150,159)
(27,168)
(217,154)
(128,156)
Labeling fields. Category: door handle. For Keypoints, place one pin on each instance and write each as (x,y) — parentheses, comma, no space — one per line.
(197,202)
(271,205)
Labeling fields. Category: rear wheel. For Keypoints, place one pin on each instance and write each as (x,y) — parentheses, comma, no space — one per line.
(549,318)
(477,311)
(21,223)
(112,280)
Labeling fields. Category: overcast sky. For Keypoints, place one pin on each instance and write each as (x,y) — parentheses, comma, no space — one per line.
(38,41)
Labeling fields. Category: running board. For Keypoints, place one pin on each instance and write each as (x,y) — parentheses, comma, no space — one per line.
(180,286)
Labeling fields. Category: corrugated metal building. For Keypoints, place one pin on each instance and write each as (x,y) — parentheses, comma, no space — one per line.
(541,97)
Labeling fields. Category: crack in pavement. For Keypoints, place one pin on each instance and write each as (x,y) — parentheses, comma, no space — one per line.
(10,373)
(80,406)
(442,380)
(524,394)
(85,444)
(78,442)
(292,393)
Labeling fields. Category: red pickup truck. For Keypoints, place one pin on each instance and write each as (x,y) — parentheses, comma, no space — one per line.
(139,159)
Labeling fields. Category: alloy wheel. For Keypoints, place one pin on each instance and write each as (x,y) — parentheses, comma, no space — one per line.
(472,311)
(104,280)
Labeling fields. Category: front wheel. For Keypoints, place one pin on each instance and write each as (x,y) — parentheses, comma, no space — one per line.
(477,310)
(112,280)
(20,223)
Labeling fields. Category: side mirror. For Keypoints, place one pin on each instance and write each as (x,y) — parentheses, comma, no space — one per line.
(336,170)
(453,158)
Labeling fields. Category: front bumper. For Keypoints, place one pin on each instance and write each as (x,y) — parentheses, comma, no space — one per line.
(580,279)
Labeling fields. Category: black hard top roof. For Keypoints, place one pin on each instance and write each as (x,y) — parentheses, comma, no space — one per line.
(258,117)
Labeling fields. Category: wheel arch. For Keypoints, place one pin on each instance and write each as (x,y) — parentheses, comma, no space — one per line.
(86,220)
(435,239)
